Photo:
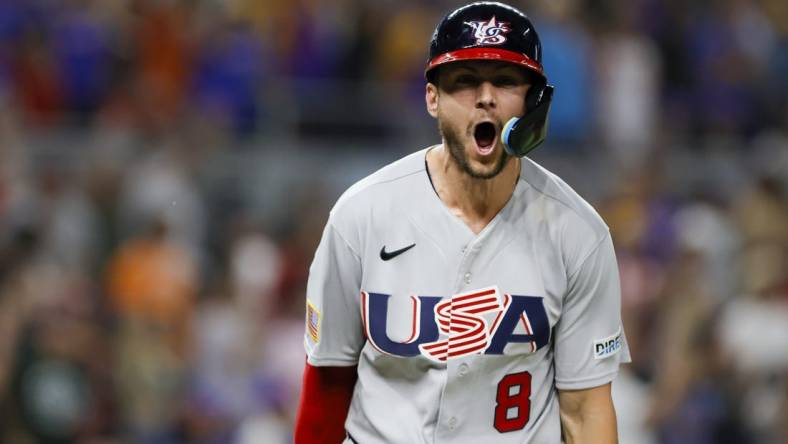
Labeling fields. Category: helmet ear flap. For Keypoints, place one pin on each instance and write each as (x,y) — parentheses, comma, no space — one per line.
(521,135)
(536,93)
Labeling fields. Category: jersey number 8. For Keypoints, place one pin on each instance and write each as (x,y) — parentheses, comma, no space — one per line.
(514,393)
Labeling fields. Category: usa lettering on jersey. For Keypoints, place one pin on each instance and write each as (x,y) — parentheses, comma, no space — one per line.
(458,318)
(476,322)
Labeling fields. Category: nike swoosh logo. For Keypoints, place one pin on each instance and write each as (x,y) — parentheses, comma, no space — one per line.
(388,255)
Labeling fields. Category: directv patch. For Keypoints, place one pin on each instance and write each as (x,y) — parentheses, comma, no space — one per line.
(607,347)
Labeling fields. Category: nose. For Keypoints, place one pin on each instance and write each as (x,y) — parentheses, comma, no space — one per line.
(485,98)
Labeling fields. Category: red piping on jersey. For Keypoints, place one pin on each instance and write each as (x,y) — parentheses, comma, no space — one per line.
(527,325)
(506,301)
(364,312)
(413,319)
(486,53)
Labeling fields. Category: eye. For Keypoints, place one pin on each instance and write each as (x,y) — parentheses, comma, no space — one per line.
(507,81)
(466,80)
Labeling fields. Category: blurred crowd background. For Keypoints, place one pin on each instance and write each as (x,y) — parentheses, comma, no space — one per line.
(166,168)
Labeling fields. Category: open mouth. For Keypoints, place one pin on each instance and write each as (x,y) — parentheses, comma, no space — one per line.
(484,133)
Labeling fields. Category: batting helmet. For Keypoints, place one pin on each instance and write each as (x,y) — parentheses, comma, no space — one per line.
(495,31)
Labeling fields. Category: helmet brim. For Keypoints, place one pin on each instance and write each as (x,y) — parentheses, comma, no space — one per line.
(485,53)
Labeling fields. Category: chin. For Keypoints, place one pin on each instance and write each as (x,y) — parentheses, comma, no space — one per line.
(488,166)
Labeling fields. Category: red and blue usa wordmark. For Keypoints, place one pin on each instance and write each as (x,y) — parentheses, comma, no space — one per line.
(443,329)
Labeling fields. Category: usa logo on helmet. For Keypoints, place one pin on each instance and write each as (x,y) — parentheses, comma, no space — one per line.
(489,32)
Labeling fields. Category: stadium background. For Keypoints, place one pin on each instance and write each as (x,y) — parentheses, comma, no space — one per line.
(166,168)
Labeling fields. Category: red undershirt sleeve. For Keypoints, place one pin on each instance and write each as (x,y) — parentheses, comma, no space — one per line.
(324,404)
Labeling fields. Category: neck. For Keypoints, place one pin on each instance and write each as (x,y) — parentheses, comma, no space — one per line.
(475,201)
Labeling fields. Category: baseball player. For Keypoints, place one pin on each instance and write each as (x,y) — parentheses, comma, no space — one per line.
(464,294)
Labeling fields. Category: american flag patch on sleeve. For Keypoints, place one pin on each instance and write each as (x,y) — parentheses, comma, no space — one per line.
(312,321)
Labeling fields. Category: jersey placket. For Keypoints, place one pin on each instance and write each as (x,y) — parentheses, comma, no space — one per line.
(455,410)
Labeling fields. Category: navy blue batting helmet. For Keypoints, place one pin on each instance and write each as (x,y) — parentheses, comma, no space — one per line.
(496,31)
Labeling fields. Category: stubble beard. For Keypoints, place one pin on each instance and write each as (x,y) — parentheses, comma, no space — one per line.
(457,152)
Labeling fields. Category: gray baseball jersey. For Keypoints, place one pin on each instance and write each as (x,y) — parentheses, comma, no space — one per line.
(463,337)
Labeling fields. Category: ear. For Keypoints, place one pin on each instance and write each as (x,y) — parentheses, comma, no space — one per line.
(431,99)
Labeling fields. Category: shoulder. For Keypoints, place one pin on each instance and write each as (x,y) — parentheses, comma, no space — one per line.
(573,225)
(383,187)
(381,181)
(559,197)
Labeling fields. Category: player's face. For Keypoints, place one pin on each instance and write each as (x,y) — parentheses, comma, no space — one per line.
(472,103)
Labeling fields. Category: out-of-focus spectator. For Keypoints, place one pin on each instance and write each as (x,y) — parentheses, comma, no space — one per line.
(160,186)
(631,396)
(694,398)
(56,387)
(754,326)
(723,97)
(149,377)
(761,212)
(705,228)
(568,64)
(235,386)
(37,86)
(225,367)
(71,220)
(229,75)
(81,52)
(628,83)
(152,283)
(255,270)
(152,277)
(164,52)
(402,49)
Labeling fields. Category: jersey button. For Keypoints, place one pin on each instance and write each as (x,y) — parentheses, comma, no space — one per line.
(452,423)
(467,278)
(462,370)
